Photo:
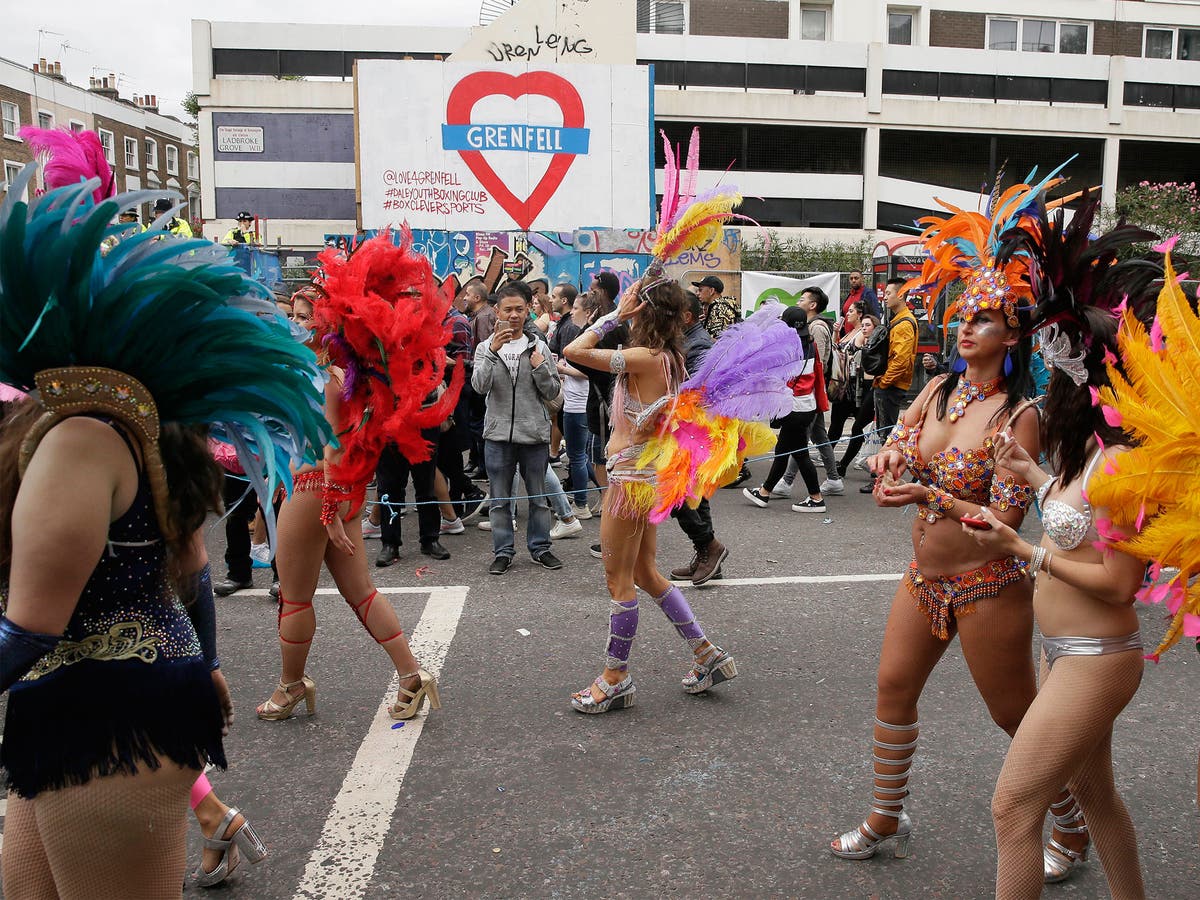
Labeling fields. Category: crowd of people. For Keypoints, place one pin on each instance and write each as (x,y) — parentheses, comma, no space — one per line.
(372,375)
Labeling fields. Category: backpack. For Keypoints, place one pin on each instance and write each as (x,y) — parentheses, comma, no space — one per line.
(875,351)
(839,372)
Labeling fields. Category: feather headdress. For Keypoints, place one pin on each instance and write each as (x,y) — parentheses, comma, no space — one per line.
(174,315)
(970,246)
(71,157)
(1152,492)
(381,318)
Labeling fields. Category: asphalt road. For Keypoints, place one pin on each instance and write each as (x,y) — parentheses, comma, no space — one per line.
(506,792)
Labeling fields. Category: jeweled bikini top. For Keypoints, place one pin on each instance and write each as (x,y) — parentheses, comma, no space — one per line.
(1065,525)
(964,474)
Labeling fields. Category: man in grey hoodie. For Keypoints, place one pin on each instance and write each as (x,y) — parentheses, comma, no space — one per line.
(515,372)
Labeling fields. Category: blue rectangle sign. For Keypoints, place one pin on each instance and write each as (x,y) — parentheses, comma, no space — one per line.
(519,138)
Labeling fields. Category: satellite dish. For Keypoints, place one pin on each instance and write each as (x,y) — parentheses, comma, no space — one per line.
(490,10)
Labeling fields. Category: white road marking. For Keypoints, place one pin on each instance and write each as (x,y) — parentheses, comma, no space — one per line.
(796,579)
(342,863)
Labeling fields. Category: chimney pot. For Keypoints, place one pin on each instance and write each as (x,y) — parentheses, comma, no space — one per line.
(57,67)
(42,62)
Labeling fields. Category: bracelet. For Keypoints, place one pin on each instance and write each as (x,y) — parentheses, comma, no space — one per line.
(1036,558)
(937,504)
(333,496)
(1046,566)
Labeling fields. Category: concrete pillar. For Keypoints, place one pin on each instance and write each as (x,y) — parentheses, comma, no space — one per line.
(1112,156)
(870,211)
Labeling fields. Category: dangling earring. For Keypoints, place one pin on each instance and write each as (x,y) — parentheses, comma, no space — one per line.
(1008,364)
(959,365)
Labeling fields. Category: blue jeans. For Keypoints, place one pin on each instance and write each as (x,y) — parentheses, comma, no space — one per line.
(502,461)
(558,500)
(576,432)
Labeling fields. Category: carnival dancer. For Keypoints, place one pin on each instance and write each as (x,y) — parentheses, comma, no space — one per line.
(675,439)
(127,358)
(945,442)
(1085,581)
(380,323)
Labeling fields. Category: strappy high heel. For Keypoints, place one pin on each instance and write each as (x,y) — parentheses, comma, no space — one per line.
(864,842)
(1060,862)
(616,696)
(717,666)
(274,712)
(406,709)
(245,839)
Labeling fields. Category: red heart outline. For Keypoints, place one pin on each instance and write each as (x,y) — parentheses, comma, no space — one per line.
(478,85)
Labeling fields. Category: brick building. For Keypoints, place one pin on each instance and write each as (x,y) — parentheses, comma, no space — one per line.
(145,148)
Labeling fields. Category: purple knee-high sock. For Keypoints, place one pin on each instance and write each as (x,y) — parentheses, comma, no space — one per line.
(622,626)
(675,606)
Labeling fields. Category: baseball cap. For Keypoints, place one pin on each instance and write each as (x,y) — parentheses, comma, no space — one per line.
(710,281)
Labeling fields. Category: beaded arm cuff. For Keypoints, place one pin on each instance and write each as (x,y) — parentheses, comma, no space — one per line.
(899,434)
(937,504)
(1006,493)
(333,497)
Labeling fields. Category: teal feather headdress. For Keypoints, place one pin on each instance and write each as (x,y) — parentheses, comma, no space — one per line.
(175,314)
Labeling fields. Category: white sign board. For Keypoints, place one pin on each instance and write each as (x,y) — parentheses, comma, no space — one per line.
(758,289)
(239,139)
(470,147)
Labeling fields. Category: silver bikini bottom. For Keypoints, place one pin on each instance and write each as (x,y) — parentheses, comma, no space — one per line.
(1054,647)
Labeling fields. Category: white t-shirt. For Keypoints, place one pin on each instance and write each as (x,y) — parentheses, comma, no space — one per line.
(511,352)
(575,394)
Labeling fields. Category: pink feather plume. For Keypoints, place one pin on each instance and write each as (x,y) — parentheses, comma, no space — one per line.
(71,157)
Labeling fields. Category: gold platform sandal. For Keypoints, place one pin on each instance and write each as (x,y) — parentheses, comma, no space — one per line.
(274,712)
(406,709)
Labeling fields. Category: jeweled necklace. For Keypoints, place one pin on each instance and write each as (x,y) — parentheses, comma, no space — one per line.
(973,390)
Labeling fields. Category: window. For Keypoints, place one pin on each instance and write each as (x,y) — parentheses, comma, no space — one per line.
(900,27)
(11,171)
(106,141)
(1171,43)
(193,165)
(661,17)
(45,119)
(151,153)
(131,160)
(76,126)
(172,160)
(812,23)
(11,115)
(1038,35)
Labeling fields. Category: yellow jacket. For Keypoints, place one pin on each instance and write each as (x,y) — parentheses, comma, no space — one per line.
(902,351)
(237,236)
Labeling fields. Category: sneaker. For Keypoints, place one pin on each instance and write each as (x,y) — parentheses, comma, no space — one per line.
(500,565)
(596,551)
(868,488)
(581,512)
(474,507)
(757,497)
(453,527)
(783,489)
(861,464)
(742,477)
(371,531)
(809,505)
(260,556)
(833,486)
(563,529)
(549,561)
(484,525)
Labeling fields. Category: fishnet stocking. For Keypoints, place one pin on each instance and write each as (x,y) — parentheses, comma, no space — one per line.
(1066,738)
(120,837)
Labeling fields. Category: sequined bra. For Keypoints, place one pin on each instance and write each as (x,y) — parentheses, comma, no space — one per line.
(1064,524)
(964,474)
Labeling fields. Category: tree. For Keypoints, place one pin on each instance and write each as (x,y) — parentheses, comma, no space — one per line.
(1168,209)
(802,255)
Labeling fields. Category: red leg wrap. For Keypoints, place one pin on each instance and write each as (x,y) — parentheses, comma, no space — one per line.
(299,607)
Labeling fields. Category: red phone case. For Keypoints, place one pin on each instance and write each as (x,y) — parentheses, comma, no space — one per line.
(972,522)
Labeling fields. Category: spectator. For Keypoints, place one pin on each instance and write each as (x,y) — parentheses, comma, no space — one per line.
(243,232)
(719,312)
(892,386)
(814,302)
(541,316)
(562,300)
(474,299)
(601,300)
(515,374)
(859,399)
(575,398)
(859,291)
(177,226)
(455,436)
(697,523)
(130,217)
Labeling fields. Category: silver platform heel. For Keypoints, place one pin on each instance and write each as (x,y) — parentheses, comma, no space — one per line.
(1060,862)
(616,696)
(864,842)
(717,667)
(245,840)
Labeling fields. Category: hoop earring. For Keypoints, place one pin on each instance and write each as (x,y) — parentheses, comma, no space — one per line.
(1008,364)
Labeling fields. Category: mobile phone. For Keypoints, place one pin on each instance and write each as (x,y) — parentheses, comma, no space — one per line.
(973,522)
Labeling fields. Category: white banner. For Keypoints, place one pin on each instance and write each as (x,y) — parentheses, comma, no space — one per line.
(758,288)
(470,147)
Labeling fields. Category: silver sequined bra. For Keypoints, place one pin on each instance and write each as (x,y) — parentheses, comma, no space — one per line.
(1064,524)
